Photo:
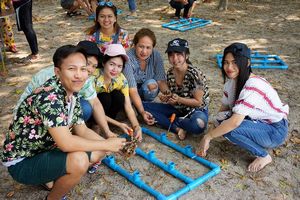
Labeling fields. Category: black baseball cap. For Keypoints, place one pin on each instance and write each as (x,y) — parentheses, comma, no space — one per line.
(178,45)
(238,49)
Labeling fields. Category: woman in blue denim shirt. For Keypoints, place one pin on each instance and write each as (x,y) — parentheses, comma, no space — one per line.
(144,72)
(188,96)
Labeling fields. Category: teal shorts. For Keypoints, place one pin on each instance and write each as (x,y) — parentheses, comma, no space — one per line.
(41,168)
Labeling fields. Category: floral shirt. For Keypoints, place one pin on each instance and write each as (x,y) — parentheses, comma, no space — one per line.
(45,108)
(118,83)
(103,41)
(87,92)
(193,79)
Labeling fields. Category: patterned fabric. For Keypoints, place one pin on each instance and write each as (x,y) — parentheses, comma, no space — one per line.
(103,41)
(7,27)
(45,108)
(118,83)
(154,69)
(257,100)
(87,91)
(194,79)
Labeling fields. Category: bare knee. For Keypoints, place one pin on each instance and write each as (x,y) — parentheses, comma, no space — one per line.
(152,86)
(200,123)
(77,162)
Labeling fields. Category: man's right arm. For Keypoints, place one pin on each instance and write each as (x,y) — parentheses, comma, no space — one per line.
(71,143)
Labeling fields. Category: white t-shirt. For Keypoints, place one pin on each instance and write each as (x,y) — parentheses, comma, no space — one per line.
(257,100)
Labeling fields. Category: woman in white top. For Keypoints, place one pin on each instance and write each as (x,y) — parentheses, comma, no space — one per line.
(254,117)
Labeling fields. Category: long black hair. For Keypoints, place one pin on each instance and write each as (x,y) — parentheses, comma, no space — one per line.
(241,54)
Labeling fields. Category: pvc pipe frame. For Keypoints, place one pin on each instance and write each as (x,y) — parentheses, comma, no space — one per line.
(261,61)
(170,168)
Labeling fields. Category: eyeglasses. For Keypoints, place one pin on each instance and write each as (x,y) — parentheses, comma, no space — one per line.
(106,3)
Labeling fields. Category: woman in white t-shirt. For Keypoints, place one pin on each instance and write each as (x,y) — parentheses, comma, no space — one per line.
(252,115)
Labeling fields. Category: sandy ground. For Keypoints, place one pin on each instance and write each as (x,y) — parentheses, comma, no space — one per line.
(264,26)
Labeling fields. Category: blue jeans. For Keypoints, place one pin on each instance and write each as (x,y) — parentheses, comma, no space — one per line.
(87,109)
(145,93)
(257,136)
(132,5)
(162,112)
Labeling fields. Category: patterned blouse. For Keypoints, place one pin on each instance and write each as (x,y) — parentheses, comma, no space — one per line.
(45,108)
(118,83)
(103,41)
(194,79)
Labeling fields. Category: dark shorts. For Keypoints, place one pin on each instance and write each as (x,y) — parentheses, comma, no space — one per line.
(42,168)
(67,4)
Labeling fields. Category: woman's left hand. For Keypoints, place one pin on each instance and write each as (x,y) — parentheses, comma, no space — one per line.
(204,145)
(174,99)
(138,133)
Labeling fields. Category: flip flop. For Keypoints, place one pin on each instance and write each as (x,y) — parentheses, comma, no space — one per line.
(46,187)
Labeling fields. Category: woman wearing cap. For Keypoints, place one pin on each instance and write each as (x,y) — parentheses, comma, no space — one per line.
(257,117)
(188,97)
(112,86)
(106,29)
(145,72)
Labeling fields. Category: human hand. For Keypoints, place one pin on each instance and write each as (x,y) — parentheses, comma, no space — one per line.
(184,2)
(173,100)
(204,145)
(164,97)
(124,127)
(138,133)
(115,144)
(148,118)
(110,134)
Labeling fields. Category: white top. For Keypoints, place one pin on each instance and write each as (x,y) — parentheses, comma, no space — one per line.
(257,100)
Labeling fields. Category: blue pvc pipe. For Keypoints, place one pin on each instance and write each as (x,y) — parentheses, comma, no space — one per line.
(170,168)
(187,151)
(133,178)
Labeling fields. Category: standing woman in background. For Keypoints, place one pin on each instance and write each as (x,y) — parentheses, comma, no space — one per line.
(23,10)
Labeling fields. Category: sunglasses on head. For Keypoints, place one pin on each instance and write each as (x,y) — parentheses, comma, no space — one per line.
(106,3)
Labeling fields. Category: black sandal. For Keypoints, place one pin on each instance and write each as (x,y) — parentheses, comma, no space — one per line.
(73,13)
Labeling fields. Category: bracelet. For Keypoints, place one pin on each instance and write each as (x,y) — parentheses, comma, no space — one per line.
(136,126)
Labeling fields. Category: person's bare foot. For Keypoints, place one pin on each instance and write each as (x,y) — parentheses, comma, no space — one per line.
(33,56)
(259,163)
(181,134)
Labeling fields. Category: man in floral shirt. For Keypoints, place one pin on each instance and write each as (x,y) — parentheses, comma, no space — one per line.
(48,140)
